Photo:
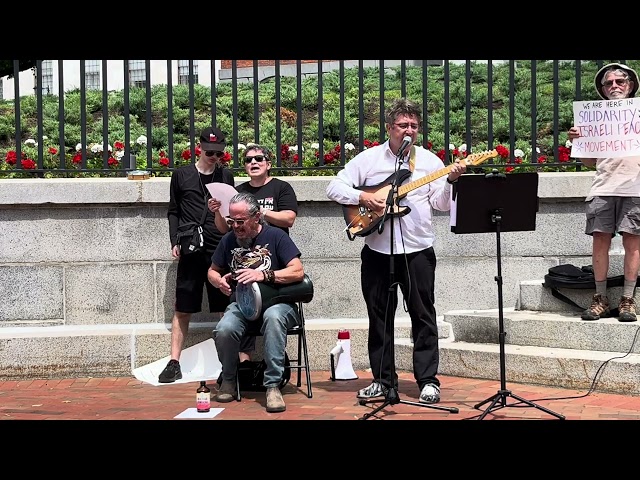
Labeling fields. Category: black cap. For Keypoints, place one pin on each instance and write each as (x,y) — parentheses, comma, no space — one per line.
(212,138)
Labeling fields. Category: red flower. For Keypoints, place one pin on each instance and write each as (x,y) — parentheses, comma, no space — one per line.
(28,164)
(112,162)
(11,158)
(509,169)
(367,143)
(226,158)
(502,151)
(542,159)
(441,154)
(198,150)
(118,145)
(295,158)
(186,154)
(52,151)
(77,158)
(328,158)
(429,145)
(162,154)
(164,161)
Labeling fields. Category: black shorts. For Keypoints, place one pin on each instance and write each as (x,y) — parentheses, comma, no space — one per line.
(190,281)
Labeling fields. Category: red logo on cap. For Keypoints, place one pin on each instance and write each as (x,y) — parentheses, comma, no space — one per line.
(212,138)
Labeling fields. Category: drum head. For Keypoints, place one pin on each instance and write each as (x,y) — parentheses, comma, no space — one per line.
(249,300)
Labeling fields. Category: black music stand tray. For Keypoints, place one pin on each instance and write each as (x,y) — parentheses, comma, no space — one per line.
(498,202)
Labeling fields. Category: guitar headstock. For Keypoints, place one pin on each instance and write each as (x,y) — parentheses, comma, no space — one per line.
(480,157)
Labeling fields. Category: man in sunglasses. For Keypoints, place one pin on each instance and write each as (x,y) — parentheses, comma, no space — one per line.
(254,251)
(613,205)
(188,200)
(277,200)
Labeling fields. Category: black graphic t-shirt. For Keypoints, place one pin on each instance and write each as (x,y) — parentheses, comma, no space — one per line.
(276,195)
(272,250)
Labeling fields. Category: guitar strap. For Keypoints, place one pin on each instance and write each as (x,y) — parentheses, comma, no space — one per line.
(412,158)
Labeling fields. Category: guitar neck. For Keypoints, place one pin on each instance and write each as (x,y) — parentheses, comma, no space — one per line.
(404,189)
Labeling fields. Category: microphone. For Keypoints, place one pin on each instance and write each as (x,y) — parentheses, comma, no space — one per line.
(406,141)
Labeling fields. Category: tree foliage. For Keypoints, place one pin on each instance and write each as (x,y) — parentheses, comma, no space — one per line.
(6,66)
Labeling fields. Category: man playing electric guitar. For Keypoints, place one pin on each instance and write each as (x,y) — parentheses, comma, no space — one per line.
(413,238)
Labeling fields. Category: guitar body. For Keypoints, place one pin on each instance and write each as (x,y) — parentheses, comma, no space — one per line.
(363,221)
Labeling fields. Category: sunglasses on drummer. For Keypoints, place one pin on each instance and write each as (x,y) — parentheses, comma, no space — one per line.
(238,221)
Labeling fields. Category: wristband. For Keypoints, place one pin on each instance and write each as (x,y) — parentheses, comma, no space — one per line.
(450,182)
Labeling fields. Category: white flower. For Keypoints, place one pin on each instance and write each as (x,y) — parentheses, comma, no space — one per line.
(141,140)
(78,147)
(119,154)
(537,150)
(293,148)
(44,137)
(462,148)
(316,145)
(568,144)
(349,146)
(251,144)
(242,146)
(452,146)
(96,148)
(518,153)
(30,141)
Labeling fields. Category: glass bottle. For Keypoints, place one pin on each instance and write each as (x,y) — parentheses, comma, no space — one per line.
(203,397)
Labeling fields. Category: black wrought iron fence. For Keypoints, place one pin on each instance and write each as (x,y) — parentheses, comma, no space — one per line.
(315,118)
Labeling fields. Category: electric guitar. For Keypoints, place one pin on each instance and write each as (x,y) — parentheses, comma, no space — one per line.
(362,221)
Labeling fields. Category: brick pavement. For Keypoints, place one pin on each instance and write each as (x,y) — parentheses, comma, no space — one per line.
(130,399)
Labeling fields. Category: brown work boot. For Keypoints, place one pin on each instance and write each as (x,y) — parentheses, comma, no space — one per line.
(275,402)
(227,392)
(627,309)
(599,308)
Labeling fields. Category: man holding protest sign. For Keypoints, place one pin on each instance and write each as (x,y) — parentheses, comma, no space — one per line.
(613,202)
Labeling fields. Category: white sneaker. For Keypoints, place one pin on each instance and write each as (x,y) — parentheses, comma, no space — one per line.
(430,393)
(375,390)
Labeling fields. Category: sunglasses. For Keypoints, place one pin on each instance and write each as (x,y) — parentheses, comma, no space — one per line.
(211,153)
(257,158)
(238,221)
(619,81)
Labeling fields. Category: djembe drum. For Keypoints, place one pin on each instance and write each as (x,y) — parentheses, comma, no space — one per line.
(254,298)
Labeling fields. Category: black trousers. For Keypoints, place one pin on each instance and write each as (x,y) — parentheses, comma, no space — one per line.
(415,274)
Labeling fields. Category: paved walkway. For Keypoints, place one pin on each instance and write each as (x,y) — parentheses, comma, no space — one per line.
(130,399)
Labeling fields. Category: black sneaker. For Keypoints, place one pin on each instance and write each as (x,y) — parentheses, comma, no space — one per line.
(171,372)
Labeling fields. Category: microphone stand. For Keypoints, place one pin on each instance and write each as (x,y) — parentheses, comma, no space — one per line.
(392,398)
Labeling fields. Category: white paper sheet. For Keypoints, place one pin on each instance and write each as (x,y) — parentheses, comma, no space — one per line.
(193,413)
(223,192)
(198,362)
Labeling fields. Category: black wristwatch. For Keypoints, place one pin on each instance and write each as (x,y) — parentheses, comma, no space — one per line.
(450,182)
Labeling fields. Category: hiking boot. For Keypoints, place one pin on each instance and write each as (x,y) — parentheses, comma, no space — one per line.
(599,308)
(430,393)
(171,372)
(375,390)
(627,309)
(227,392)
(275,402)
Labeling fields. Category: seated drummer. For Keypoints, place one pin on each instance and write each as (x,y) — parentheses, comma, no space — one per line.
(254,252)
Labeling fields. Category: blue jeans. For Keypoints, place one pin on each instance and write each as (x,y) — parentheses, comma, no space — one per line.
(231,328)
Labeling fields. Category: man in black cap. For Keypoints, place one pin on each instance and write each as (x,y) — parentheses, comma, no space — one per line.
(614,204)
(188,200)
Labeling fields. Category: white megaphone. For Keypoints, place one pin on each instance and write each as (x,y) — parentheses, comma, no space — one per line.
(340,355)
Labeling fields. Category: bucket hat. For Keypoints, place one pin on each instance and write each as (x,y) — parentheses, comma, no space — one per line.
(633,76)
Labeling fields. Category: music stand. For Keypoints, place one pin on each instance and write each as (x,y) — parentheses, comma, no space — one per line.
(497,202)
(392,398)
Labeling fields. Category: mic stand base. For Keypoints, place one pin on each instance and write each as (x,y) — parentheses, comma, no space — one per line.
(392,398)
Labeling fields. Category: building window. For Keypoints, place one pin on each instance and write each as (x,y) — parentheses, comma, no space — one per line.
(47,77)
(137,73)
(183,72)
(1,92)
(92,74)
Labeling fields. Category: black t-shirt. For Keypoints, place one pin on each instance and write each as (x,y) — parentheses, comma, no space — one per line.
(272,250)
(187,200)
(276,195)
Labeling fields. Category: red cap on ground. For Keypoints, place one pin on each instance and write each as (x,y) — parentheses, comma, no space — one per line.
(343,335)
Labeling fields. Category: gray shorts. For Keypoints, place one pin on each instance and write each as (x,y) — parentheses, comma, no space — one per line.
(613,214)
